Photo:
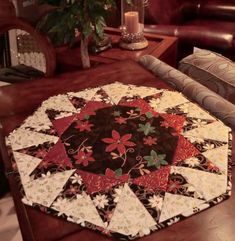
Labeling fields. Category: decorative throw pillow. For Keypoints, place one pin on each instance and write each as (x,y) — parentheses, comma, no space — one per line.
(212,70)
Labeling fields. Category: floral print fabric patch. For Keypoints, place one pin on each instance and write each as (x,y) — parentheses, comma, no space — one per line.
(121,159)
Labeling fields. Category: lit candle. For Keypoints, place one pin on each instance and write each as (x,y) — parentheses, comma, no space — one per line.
(132,22)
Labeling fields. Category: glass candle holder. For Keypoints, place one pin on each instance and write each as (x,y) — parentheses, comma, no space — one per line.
(132,24)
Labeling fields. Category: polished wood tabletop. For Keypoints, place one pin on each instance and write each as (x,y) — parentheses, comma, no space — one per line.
(159,46)
(20,100)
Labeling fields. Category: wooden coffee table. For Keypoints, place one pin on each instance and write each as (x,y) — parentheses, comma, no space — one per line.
(162,47)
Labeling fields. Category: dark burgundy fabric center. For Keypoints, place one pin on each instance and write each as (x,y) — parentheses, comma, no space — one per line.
(121,139)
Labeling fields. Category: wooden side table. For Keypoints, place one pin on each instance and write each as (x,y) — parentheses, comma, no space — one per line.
(162,47)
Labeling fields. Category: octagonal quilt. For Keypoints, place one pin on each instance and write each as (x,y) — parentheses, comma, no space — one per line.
(122,160)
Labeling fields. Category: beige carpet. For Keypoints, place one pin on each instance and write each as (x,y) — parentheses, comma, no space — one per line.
(9,227)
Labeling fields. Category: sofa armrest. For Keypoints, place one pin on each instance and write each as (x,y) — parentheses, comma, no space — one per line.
(171,11)
(215,104)
(217,9)
(178,12)
(195,35)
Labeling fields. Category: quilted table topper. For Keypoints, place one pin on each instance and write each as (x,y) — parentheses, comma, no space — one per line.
(122,160)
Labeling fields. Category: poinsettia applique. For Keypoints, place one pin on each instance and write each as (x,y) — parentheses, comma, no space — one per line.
(149,140)
(84,126)
(118,142)
(120,120)
(84,157)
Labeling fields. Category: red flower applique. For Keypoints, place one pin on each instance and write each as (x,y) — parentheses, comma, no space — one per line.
(72,190)
(118,142)
(150,141)
(120,120)
(84,158)
(41,153)
(84,126)
(173,186)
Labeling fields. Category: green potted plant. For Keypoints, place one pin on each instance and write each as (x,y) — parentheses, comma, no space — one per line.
(70,16)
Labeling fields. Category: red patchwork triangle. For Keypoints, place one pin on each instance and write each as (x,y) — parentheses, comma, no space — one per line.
(58,156)
(141,104)
(63,123)
(174,121)
(154,181)
(96,183)
(90,109)
(184,150)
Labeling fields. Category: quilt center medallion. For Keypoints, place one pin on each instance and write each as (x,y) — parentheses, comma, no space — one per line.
(120,140)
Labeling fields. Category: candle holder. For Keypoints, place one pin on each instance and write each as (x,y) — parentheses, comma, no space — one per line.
(132,25)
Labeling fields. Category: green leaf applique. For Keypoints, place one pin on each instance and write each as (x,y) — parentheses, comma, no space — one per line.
(146,128)
(118,172)
(149,115)
(156,160)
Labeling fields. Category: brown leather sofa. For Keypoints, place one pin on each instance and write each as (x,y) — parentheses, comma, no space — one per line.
(208,24)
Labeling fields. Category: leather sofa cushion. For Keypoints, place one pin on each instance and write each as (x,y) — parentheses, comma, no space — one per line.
(213,32)
(212,70)
(163,12)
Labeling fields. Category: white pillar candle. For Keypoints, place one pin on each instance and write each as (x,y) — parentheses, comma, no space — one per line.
(132,22)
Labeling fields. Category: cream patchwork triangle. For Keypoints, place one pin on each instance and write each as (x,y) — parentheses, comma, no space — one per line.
(38,121)
(44,190)
(25,164)
(169,99)
(214,131)
(116,91)
(195,111)
(207,185)
(130,216)
(80,209)
(22,138)
(87,94)
(219,157)
(141,91)
(59,103)
(174,205)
